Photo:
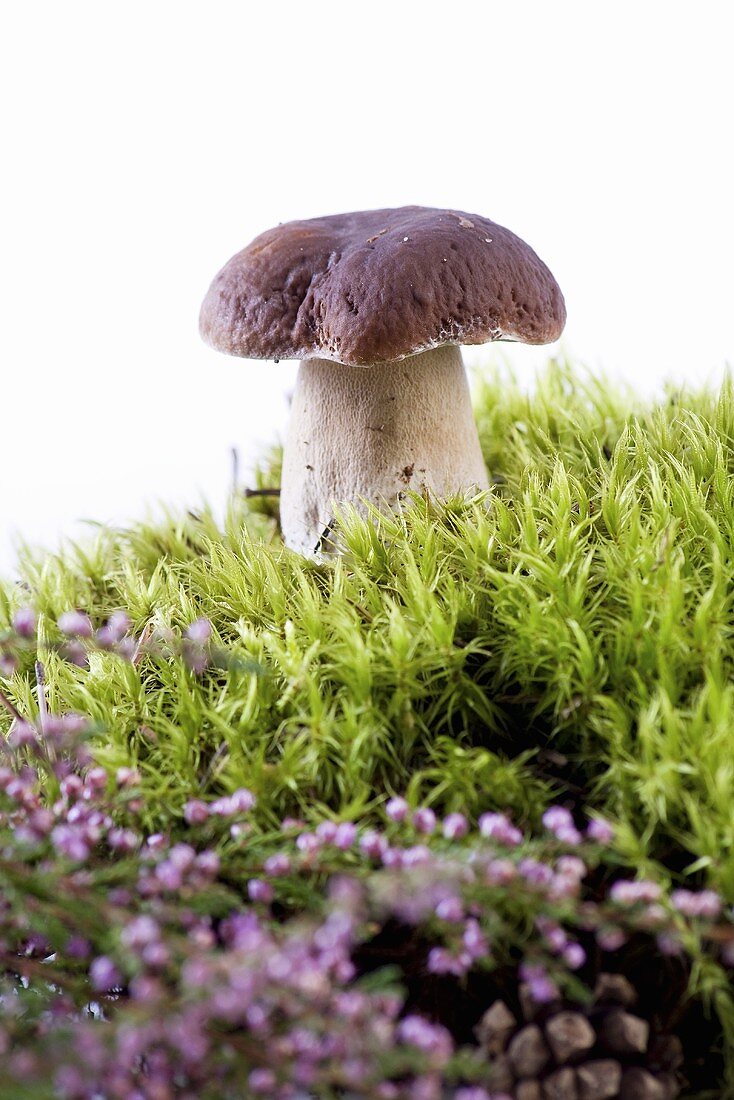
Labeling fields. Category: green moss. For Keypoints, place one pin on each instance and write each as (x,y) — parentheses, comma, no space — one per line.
(583,607)
(570,634)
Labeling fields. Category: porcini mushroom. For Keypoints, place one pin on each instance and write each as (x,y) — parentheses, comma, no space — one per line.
(375,304)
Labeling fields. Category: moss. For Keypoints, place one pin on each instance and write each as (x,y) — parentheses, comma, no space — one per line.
(570,634)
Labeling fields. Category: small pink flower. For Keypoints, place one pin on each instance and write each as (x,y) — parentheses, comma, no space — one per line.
(200,631)
(397,809)
(455,826)
(196,812)
(277,865)
(104,975)
(75,624)
(96,778)
(424,820)
(600,831)
(346,834)
(574,955)
(450,909)
(373,844)
(326,831)
(499,827)
(24,622)
(258,890)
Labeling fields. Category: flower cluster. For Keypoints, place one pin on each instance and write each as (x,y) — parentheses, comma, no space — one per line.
(217,957)
(161,965)
(78,637)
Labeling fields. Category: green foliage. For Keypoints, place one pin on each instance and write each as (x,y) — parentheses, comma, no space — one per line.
(568,635)
(585,605)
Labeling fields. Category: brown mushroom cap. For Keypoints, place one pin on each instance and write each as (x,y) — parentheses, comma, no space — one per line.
(379,285)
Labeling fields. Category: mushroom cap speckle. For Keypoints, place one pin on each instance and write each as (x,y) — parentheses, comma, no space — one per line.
(379,285)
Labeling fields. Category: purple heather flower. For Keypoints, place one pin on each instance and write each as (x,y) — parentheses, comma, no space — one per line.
(200,631)
(654,915)
(308,842)
(127,777)
(667,944)
(156,955)
(432,1039)
(450,909)
(416,856)
(240,801)
(534,872)
(346,834)
(75,624)
(552,933)
(262,1082)
(627,893)
(96,779)
(182,856)
(568,834)
(455,826)
(258,890)
(104,975)
(70,843)
(499,827)
(600,830)
(169,875)
(77,948)
(75,654)
(207,863)
(441,961)
(499,872)
(277,865)
(610,939)
(473,1092)
(326,831)
(140,932)
(373,844)
(113,631)
(195,812)
(558,820)
(574,955)
(563,886)
(8,664)
(572,867)
(424,820)
(397,809)
(195,658)
(474,939)
(557,817)
(24,622)
(123,840)
(541,987)
(22,734)
(706,903)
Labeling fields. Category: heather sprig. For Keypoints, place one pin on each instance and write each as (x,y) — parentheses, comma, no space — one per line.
(182,967)
(564,641)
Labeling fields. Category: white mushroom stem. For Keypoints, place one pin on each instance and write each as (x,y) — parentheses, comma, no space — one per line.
(373,434)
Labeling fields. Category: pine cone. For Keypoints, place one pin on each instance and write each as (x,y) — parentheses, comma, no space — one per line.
(562,1053)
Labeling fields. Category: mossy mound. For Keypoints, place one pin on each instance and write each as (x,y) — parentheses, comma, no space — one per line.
(568,636)
(569,633)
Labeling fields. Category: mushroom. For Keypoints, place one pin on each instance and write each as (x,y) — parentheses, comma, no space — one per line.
(375,304)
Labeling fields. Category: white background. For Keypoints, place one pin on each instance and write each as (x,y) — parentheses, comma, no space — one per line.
(144,142)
